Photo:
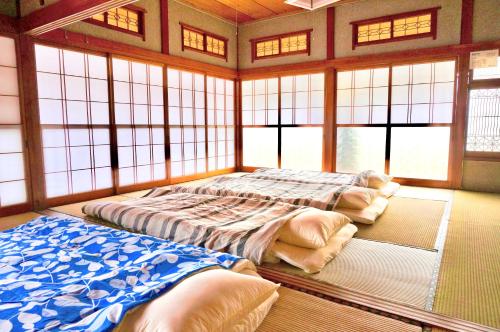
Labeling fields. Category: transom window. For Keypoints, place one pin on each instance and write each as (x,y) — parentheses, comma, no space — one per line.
(203,41)
(127,19)
(417,24)
(285,44)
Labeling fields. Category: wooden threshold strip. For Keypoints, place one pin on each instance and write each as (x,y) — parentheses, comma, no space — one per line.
(425,317)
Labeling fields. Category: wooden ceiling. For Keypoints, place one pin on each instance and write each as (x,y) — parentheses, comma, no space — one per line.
(242,11)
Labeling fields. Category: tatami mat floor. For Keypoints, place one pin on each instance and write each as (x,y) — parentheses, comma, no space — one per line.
(468,285)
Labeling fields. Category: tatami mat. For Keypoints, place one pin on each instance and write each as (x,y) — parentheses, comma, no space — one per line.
(385,270)
(469,281)
(299,312)
(435,194)
(407,221)
(75,209)
(16,220)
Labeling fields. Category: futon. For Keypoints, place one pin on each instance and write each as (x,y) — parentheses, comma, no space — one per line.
(241,226)
(365,179)
(65,274)
(363,205)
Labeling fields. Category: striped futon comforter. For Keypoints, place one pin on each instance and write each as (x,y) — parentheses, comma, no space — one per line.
(321,196)
(240,226)
(310,177)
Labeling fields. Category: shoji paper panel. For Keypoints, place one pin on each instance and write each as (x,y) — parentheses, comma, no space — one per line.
(220,123)
(139,116)
(186,115)
(12,177)
(303,99)
(74,117)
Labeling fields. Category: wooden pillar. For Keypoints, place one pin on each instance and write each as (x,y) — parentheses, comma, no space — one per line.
(164,27)
(329,128)
(31,118)
(330,33)
(466,22)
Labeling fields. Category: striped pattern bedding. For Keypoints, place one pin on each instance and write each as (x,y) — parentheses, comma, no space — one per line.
(310,177)
(240,226)
(321,196)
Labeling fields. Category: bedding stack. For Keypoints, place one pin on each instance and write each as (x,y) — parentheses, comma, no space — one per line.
(65,274)
(312,239)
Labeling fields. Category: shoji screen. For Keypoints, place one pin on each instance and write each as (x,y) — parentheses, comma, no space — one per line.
(74,117)
(12,178)
(186,118)
(302,114)
(220,123)
(422,100)
(408,127)
(260,122)
(139,117)
(362,108)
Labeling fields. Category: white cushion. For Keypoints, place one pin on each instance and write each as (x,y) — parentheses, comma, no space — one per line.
(313,260)
(213,300)
(312,228)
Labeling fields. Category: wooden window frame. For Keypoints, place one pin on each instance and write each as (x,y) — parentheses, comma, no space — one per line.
(391,18)
(479,84)
(255,41)
(389,125)
(280,125)
(141,14)
(205,34)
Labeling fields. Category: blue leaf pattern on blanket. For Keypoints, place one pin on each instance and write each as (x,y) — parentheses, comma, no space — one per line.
(65,274)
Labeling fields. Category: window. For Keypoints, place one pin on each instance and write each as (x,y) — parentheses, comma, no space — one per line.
(203,41)
(128,19)
(12,177)
(290,136)
(186,117)
(74,118)
(404,131)
(278,45)
(483,120)
(417,24)
(139,117)
(220,123)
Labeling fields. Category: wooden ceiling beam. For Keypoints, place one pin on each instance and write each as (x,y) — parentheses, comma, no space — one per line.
(248,7)
(65,12)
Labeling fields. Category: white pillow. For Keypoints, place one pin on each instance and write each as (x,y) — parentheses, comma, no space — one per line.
(313,260)
(378,180)
(213,300)
(357,198)
(312,228)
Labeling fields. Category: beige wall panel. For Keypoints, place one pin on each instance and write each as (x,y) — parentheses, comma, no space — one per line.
(29,6)
(153,30)
(486,24)
(178,12)
(8,7)
(448,24)
(315,20)
(481,176)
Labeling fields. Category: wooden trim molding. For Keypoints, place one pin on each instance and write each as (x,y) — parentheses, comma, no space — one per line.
(8,24)
(205,34)
(66,38)
(278,39)
(389,35)
(65,12)
(467,21)
(330,33)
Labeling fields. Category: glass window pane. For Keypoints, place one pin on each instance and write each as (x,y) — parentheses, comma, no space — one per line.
(302,148)
(260,147)
(360,149)
(420,152)
(483,121)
